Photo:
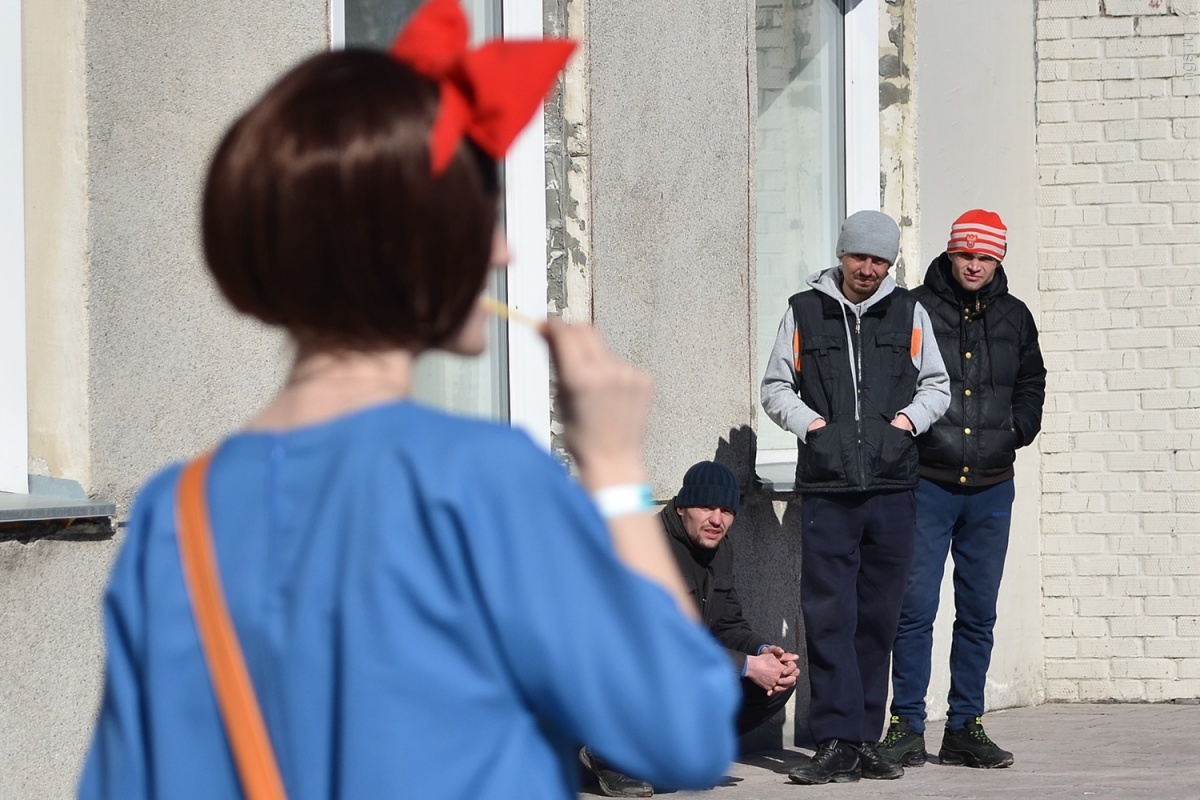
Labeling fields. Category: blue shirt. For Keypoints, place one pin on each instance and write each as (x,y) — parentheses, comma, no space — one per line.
(428,606)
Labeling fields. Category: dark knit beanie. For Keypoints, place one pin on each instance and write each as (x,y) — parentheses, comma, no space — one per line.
(869,233)
(709,484)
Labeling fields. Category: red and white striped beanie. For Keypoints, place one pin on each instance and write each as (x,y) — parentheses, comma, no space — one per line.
(979,231)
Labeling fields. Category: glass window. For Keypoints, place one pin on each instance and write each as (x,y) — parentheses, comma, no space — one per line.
(14,428)
(373,23)
(476,386)
(800,171)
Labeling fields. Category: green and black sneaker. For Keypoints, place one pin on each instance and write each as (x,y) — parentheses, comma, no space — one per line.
(902,746)
(972,747)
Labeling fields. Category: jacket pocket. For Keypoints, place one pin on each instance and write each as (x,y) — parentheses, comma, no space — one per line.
(820,459)
(997,448)
(895,453)
(823,363)
(898,344)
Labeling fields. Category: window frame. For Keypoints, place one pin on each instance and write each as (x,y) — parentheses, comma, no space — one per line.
(528,375)
(862,107)
(14,409)
(860,69)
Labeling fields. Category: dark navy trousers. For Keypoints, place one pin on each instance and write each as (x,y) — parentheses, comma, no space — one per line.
(856,551)
(972,525)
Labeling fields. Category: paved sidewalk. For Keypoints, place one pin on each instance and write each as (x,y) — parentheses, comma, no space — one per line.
(1094,752)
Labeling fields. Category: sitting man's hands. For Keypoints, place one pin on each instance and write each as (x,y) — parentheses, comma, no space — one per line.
(774,669)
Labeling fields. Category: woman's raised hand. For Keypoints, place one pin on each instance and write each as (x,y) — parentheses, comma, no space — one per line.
(605,404)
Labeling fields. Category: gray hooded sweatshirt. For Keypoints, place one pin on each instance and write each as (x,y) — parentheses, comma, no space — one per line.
(783,404)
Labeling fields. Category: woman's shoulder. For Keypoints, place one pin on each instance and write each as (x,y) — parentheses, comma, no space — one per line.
(151,517)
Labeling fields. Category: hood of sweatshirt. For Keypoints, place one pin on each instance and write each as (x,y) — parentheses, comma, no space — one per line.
(829,282)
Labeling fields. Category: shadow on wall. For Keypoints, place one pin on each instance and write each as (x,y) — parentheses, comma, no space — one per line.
(766,541)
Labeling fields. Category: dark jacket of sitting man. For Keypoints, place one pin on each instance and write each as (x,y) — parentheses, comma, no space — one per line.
(697,521)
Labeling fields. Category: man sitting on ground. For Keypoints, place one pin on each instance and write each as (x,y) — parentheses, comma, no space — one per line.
(697,520)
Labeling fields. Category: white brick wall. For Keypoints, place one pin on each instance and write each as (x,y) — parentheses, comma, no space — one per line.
(1119,233)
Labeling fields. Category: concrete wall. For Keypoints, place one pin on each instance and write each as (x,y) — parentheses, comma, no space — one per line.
(568,185)
(133,359)
(975,148)
(172,368)
(670,180)
(1118,149)
(898,134)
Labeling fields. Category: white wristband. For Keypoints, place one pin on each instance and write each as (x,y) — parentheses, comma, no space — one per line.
(623,499)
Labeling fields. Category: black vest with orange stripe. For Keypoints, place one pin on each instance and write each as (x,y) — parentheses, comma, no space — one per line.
(859,452)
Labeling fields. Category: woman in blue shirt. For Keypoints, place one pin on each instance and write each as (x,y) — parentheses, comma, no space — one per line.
(428,606)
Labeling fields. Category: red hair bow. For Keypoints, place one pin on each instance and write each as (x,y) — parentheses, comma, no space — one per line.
(488,94)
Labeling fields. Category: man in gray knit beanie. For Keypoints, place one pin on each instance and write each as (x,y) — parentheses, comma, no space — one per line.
(856,375)
(869,233)
(867,246)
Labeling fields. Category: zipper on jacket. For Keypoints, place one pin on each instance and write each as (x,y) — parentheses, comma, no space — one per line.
(707,590)
(858,427)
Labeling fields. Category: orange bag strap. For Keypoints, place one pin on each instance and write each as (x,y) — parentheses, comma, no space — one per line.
(240,713)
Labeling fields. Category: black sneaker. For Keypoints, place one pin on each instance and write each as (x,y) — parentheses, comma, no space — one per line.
(834,762)
(874,766)
(972,747)
(902,746)
(613,783)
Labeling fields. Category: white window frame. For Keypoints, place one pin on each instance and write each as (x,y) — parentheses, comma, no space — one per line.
(860,54)
(525,206)
(861,65)
(14,402)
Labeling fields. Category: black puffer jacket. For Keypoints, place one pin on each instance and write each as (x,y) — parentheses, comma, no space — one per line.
(709,576)
(989,342)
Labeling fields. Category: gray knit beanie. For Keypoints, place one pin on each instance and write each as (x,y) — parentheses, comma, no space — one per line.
(709,484)
(870,233)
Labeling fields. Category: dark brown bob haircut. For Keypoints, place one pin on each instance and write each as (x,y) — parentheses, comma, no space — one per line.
(322,215)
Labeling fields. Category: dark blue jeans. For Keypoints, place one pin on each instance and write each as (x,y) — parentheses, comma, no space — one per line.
(855,553)
(972,525)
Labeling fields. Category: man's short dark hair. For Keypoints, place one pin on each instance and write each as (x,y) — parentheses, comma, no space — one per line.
(321,213)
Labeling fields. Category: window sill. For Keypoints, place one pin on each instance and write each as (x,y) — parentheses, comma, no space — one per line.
(776,471)
(54,509)
(29,507)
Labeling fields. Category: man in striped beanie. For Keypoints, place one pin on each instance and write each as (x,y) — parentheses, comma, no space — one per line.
(989,343)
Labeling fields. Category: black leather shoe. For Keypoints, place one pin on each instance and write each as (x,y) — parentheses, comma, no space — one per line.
(613,783)
(874,766)
(834,762)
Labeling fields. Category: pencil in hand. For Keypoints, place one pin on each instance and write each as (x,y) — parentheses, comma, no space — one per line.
(507,312)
